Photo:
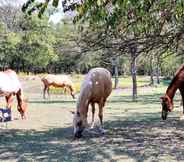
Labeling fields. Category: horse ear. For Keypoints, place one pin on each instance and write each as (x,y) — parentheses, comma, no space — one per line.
(78,113)
(72,112)
(163,98)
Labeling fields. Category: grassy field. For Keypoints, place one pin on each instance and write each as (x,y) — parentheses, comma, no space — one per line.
(135,131)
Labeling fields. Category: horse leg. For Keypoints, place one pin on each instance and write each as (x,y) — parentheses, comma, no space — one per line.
(48,92)
(100,115)
(182,95)
(93,115)
(21,104)
(71,92)
(44,90)
(65,90)
(9,101)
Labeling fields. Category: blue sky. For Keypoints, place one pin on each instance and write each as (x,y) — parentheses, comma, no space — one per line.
(55,17)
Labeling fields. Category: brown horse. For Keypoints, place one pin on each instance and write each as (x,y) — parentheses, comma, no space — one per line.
(96,87)
(61,81)
(11,86)
(167,100)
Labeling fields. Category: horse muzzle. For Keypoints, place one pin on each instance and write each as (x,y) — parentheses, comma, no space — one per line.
(78,134)
(73,96)
(164,114)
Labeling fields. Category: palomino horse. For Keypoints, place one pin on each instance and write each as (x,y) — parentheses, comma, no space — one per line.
(95,88)
(167,100)
(11,86)
(61,81)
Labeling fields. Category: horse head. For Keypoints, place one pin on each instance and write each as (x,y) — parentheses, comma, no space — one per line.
(167,106)
(79,124)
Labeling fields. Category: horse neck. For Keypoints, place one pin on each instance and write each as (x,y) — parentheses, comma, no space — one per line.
(171,90)
(82,106)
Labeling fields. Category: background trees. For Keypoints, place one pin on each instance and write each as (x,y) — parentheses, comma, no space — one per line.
(145,36)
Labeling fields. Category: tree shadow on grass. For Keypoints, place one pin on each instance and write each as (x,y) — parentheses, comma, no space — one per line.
(114,99)
(147,137)
(138,138)
(142,99)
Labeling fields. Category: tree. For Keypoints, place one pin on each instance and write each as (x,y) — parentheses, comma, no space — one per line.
(8,14)
(24,38)
(37,42)
(147,25)
(115,62)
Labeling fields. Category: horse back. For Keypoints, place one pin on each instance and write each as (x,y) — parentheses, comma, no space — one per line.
(9,82)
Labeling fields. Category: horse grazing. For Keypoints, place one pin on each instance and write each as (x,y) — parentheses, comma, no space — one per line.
(95,88)
(167,100)
(11,86)
(62,81)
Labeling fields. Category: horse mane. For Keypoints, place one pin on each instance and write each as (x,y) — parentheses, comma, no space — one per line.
(175,78)
(181,68)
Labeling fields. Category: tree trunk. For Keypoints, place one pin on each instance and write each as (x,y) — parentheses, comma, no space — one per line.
(115,62)
(158,71)
(134,78)
(151,73)
(116,77)
(4,65)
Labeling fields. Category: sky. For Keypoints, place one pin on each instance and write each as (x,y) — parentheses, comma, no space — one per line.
(55,18)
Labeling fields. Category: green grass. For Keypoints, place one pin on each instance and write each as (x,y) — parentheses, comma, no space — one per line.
(124,82)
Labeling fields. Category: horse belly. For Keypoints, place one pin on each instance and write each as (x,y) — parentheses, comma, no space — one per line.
(57,85)
(97,96)
(3,93)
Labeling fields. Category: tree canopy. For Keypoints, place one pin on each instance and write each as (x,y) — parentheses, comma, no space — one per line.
(151,24)
(150,28)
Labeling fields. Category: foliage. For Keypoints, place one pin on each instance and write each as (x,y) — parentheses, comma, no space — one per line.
(28,47)
(170,64)
(159,22)
(32,44)
(151,27)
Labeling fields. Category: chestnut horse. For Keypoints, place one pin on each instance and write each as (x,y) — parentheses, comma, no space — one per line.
(96,87)
(62,81)
(11,86)
(167,100)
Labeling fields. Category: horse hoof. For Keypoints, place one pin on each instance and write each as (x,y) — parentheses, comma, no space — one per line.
(102,131)
(92,126)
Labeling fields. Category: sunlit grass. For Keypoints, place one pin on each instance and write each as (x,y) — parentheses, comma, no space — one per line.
(124,82)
